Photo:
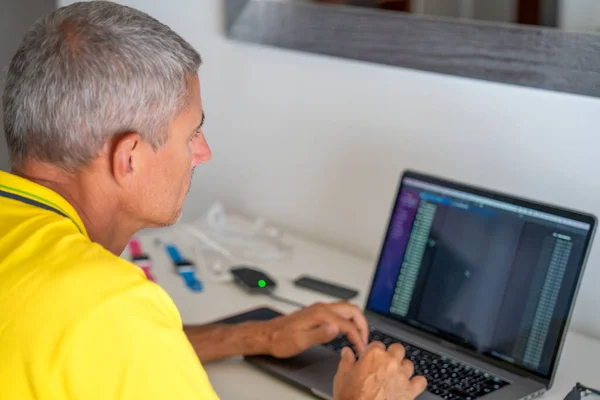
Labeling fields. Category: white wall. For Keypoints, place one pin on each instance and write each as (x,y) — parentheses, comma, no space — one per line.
(15,18)
(498,10)
(580,15)
(317,144)
(4,162)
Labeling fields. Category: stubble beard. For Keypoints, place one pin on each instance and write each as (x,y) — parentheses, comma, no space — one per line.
(177,218)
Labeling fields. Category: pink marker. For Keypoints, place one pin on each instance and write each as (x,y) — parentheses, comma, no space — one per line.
(140,259)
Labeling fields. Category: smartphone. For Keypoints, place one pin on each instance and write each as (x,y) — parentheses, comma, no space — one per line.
(327,288)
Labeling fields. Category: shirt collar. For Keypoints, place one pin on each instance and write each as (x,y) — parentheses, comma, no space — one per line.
(23,187)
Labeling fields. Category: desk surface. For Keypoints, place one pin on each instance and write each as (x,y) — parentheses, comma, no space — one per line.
(579,362)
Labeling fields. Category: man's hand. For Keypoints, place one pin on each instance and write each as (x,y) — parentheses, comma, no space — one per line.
(378,375)
(291,334)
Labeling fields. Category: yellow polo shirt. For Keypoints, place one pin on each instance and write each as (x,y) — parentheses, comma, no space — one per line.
(77,322)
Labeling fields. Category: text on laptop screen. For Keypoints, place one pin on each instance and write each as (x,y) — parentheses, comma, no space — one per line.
(495,276)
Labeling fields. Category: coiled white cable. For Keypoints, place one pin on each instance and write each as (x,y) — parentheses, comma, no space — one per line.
(215,242)
(259,243)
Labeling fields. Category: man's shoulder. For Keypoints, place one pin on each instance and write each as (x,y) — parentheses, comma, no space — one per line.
(71,290)
(51,247)
(98,279)
(89,262)
(87,269)
(69,279)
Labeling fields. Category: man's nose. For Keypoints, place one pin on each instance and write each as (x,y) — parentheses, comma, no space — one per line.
(201,150)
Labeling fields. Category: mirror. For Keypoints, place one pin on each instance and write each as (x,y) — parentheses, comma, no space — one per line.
(545,44)
(566,15)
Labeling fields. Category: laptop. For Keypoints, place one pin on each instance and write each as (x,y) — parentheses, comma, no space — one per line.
(478,286)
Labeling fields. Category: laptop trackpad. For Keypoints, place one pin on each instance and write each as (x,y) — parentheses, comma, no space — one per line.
(313,369)
(294,364)
(320,375)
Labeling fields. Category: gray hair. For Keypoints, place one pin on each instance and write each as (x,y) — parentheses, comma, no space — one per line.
(88,72)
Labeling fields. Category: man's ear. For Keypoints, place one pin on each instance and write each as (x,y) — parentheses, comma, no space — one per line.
(126,157)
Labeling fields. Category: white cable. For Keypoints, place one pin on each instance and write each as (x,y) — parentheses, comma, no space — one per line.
(216,244)
(192,230)
(216,271)
(224,239)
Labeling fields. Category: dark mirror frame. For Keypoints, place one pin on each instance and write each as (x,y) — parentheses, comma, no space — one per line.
(543,58)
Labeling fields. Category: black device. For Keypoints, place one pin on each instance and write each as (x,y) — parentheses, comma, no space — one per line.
(255,314)
(253,280)
(580,391)
(324,287)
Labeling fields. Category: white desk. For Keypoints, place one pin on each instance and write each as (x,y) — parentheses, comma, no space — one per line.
(580,359)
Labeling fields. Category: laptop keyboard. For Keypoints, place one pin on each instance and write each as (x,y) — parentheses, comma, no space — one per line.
(446,377)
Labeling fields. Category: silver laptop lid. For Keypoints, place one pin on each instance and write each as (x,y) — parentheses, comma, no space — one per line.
(492,273)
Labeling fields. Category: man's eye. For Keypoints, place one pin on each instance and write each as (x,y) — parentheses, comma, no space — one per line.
(194,135)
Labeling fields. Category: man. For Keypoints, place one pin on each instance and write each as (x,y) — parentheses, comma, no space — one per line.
(103,120)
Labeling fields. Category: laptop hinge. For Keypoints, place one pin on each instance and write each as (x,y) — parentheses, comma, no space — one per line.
(535,395)
(320,394)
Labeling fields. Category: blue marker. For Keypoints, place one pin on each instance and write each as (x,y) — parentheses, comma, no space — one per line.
(185,269)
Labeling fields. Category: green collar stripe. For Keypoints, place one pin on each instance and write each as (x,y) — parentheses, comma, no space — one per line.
(48,202)
(43,201)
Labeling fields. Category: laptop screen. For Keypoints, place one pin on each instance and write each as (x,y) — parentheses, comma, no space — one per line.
(489,272)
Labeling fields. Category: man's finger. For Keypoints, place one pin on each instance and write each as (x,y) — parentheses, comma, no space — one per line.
(418,384)
(354,314)
(321,334)
(407,367)
(347,361)
(372,348)
(324,315)
(350,330)
(398,351)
